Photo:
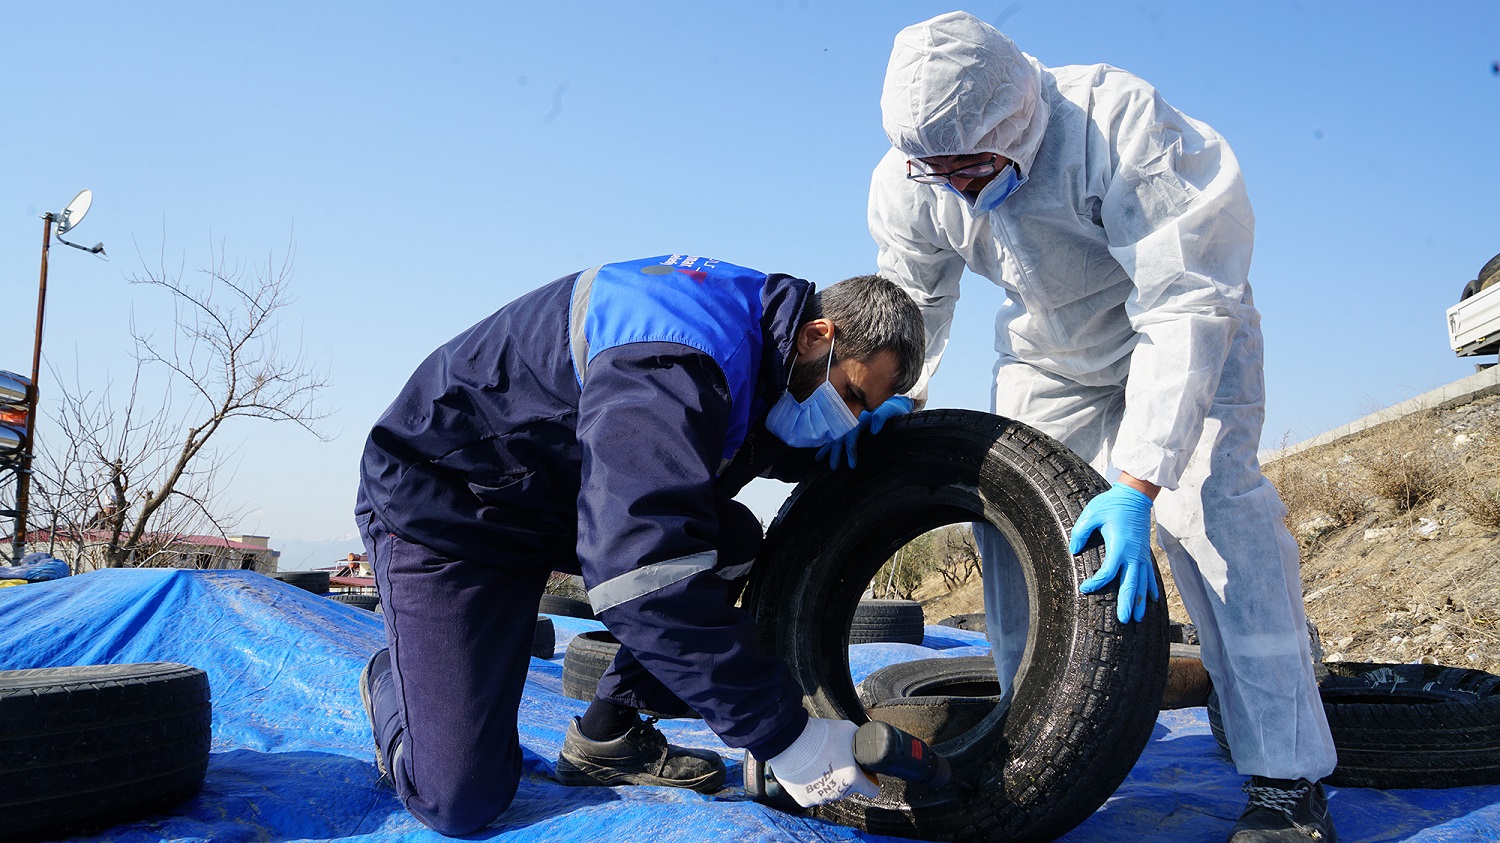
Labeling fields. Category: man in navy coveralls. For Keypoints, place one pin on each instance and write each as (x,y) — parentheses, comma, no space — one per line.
(601,425)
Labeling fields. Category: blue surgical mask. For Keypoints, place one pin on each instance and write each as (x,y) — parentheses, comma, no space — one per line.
(821,419)
(998,190)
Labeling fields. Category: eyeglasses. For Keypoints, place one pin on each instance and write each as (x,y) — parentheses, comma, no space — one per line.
(970,171)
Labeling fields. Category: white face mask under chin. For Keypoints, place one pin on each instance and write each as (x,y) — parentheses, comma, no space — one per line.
(817,421)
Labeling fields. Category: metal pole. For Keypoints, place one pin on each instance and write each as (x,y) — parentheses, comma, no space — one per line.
(23,480)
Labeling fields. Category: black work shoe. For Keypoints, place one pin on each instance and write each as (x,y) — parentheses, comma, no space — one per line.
(640,756)
(1284,810)
(366,676)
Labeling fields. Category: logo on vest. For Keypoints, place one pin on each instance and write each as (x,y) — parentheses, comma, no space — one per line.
(685,265)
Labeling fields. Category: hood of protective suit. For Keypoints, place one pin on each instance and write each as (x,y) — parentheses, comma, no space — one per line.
(956,86)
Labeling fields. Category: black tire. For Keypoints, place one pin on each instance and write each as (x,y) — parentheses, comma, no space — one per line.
(887,621)
(973,622)
(934,699)
(1489,276)
(585,660)
(1407,725)
(544,639)
(85,747)
(554,604)
(939,699)
(313,581)
(1086,694)
(359,601)
(588,655)
(1182,633)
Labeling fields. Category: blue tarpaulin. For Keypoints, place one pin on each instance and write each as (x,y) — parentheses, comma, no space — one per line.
(35,567)
(292,759)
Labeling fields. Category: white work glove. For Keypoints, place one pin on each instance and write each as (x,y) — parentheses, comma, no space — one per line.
(819,766)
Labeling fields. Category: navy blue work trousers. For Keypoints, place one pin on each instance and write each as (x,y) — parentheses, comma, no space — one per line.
(460,634)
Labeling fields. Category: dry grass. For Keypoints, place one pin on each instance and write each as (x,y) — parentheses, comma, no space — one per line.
(1401,465)
(1481,502)
(1478,491)
(1312,493)
(1411,478)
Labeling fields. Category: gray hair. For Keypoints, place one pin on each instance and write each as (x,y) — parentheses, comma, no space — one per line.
(870,315)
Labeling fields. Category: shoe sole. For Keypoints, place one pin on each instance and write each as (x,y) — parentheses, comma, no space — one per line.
(584,774)
(364,697)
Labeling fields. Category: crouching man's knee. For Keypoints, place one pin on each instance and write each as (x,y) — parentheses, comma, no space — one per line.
(460,803)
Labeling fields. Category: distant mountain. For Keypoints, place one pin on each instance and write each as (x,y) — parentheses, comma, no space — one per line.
(306,554)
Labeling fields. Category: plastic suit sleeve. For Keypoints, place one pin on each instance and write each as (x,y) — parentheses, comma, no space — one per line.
(651,427)
(928,273)
(1179,221)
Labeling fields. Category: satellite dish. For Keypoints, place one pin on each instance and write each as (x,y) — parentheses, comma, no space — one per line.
(73,214)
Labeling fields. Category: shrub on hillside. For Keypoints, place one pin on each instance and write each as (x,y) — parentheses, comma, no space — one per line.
(1409,478)
(1481,502)
(1312,492)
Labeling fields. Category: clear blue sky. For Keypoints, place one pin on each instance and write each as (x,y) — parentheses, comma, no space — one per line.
(433,161)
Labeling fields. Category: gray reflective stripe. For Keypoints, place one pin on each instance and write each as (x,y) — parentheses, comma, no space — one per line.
(642,581)
(734,572)
(583,289)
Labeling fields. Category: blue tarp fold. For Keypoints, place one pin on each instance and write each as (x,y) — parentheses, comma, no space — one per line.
(292,758)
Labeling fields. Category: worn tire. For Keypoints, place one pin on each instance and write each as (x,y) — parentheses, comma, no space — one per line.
(1489,276)
(1406,725)
(1086,693)
(1188,684)
(934,699)
(544,640)
(588,655)
(313,581)
(974,622)
(359,601)
(554,604)
(85,747)
(887,622)
(938,699)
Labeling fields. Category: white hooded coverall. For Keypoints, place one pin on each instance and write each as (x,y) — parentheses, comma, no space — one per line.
(1128,334)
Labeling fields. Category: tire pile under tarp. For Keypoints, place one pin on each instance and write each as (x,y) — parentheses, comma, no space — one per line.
(291,752)
(34,567)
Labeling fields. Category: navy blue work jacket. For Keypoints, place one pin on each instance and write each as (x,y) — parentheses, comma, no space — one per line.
(592,425)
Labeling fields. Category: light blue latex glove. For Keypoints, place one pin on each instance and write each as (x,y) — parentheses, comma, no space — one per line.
(1122,516)
(872,420)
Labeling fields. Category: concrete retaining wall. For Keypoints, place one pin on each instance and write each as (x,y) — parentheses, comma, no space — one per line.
(1461,391)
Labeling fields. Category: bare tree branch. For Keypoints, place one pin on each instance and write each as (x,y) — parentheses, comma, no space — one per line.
(139,475)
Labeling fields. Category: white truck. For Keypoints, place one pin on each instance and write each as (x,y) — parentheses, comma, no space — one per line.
(1474,323)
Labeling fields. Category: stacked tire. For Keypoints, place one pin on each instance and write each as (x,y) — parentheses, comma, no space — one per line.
(544,639)
(359,601)
(887,621)
(87,747)
(588,655)
(312,581)
(568,607)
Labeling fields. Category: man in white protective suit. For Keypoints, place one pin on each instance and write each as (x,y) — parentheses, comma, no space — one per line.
(1121,233)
